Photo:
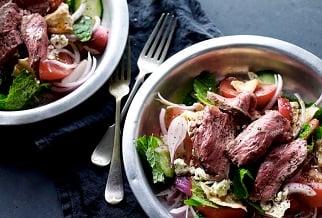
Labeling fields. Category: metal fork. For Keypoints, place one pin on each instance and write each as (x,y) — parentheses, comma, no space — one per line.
(119,87)
(152,55)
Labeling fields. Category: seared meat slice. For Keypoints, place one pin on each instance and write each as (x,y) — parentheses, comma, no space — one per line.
(34,6)
(10,17)
(253,142)
(210,136)
(34,34)
(241,106)
(9,43)
(280,163)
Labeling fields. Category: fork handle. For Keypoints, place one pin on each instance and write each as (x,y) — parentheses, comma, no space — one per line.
(114,190)
(138,82)
(101,156)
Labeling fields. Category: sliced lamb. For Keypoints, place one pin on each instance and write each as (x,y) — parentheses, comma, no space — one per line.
(34,6)
(210,136)
(253,142)
(34,34)
(280,163)
(10,17)
(241,107)
(9,43)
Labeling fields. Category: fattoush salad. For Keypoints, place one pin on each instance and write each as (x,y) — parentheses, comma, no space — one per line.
(238,147)
(48,48)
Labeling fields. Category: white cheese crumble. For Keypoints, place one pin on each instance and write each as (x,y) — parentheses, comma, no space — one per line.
(221,188)
(278,206)
(59,40)
(180,167)
(200,174)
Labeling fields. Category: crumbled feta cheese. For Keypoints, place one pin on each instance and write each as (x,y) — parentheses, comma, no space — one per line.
(200,174)
(59,40)
(180,167)
(278,206)
(221,188)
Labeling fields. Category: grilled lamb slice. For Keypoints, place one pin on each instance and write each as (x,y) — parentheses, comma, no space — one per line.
(9,44)
(10,17)
(241,106)
(280,163)
(34,35)
(34,6)
(210,136)
(253,142)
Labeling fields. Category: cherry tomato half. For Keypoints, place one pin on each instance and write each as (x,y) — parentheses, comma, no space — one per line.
(221,212)
(51,71)
(264,92)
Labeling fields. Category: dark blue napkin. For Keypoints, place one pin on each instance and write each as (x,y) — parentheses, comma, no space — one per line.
(67,141)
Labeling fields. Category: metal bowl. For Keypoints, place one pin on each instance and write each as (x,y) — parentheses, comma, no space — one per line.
(301,71)
(116,19)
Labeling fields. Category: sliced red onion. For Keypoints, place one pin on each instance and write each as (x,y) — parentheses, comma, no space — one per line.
(162,121)
(77,72)
(79,12)
(302,117)
(300,188)
(315,185)
(183,183)
(183,107)
(62,89)
(278,91)
(176,134)
(82,79)
(97,23)
(180,211)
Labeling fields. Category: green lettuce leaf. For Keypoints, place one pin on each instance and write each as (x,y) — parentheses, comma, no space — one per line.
(198,197)
(151,149)
(202,84)
(23,88)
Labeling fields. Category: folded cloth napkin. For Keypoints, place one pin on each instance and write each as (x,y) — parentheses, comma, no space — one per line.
(67,141)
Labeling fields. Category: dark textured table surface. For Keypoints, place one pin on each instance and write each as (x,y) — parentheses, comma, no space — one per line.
(26,189)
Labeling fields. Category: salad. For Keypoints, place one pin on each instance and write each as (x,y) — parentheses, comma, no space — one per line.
(237,147)
(48,49)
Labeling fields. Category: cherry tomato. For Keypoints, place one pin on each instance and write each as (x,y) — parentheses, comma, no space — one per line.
(312,176)
(170,114)
(221,212)
(285,108)
(50,71)
(53,5)
(99,40)
(264,92)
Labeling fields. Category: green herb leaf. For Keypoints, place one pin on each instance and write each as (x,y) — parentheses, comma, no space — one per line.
(83,28)
(24,87)
(202,84)
(240,179)
(198,197)
(152,150)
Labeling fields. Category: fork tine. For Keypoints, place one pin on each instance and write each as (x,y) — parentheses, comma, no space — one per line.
(157,38)
(152,36)
(166,39)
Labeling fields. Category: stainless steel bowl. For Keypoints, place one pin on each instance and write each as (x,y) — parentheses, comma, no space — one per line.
(116,18)
(301,70)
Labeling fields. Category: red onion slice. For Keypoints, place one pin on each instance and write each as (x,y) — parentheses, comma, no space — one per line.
(79,12)
(176,134)
(279,84)
(300,188)
(162,121)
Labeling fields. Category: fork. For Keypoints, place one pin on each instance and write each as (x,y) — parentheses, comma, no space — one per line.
(152,55)
(118,87)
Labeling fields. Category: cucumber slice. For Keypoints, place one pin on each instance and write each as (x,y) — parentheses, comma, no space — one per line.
(93,7)
(266,76)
